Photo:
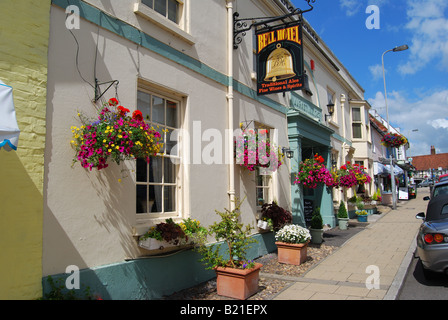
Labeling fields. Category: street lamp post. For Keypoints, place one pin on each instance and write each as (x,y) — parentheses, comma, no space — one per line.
(392,174)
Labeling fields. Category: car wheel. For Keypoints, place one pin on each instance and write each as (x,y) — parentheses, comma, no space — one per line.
(428,274)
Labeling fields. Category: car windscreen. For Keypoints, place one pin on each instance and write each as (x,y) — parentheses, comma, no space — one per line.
(437,208)
(440,190)
(444,210)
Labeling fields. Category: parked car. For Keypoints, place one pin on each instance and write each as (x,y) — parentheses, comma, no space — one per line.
(425,183)
(443,177)
(432,238)
(439,188)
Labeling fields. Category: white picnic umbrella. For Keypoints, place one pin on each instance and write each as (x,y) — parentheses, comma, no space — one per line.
(9,130)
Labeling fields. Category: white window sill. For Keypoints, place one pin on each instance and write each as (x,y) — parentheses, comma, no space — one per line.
(148,14)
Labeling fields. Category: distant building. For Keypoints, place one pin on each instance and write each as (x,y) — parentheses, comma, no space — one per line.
(430,166)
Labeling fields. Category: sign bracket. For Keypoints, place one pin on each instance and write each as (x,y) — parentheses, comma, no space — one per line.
(241,26)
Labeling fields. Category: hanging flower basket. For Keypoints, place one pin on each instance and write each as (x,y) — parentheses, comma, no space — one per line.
(253,149)
(114,135)
(349,175)
(312,172)
(394,140)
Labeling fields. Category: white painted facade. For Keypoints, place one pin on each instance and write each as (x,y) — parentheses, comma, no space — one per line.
(90,218)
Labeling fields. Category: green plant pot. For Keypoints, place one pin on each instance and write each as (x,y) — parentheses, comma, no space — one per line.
(317,235)
(343,223)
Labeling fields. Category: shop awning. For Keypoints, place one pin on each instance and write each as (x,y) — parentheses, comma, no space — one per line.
(397,170)
(381,169)
(9,130)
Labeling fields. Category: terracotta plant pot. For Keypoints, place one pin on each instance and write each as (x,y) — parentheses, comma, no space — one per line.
(237,283)
(292,253)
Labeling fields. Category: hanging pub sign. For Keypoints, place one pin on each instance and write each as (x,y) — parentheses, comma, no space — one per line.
(279,59)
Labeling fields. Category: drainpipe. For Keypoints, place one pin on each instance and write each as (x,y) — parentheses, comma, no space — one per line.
(231,191)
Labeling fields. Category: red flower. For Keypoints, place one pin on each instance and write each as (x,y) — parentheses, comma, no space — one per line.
(122,110)
(137,115)
(113,102)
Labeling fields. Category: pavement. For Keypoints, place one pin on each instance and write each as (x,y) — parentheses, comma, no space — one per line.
(371,264)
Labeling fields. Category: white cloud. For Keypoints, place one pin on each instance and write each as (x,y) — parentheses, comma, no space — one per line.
(429,27)
(429,115)
(351,7)
(377,71)
(438,123)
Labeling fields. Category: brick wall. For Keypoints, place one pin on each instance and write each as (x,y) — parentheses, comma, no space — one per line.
(24,33)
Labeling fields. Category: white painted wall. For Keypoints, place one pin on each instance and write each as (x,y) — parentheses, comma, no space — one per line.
(89,217)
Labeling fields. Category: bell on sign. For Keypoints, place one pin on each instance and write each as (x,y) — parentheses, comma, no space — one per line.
(279,65)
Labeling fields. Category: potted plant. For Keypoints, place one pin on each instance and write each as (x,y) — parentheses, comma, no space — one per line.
(265,225)
(349,175)
(393,140)
(237,277)
(278,215)
(292,243)
(254,149)
(114,136)
(195,233)
(342,216)
(362,215)
(313,172)
(163,235)
(316,227)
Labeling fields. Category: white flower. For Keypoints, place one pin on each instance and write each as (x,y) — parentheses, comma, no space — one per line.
(293,233)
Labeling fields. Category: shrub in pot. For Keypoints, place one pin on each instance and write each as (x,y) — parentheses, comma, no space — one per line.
(316,227)
(342,216)
(237,277)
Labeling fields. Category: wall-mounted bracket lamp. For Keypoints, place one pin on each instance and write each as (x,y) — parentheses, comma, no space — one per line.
(288,153)
(330,108)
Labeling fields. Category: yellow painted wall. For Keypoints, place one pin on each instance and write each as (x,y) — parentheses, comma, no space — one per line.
(24,34)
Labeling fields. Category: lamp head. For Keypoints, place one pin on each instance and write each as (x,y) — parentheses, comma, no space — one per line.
(400,48)
(330,108)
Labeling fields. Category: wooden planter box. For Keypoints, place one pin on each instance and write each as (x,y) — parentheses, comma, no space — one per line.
(291,253)
(237,283)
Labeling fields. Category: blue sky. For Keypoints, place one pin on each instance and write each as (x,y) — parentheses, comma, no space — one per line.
(416,79)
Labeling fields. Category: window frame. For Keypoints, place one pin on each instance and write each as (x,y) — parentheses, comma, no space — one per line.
(177,213)
(357,123)
(179,29)
(262,186)
(167,13)
(272,175)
